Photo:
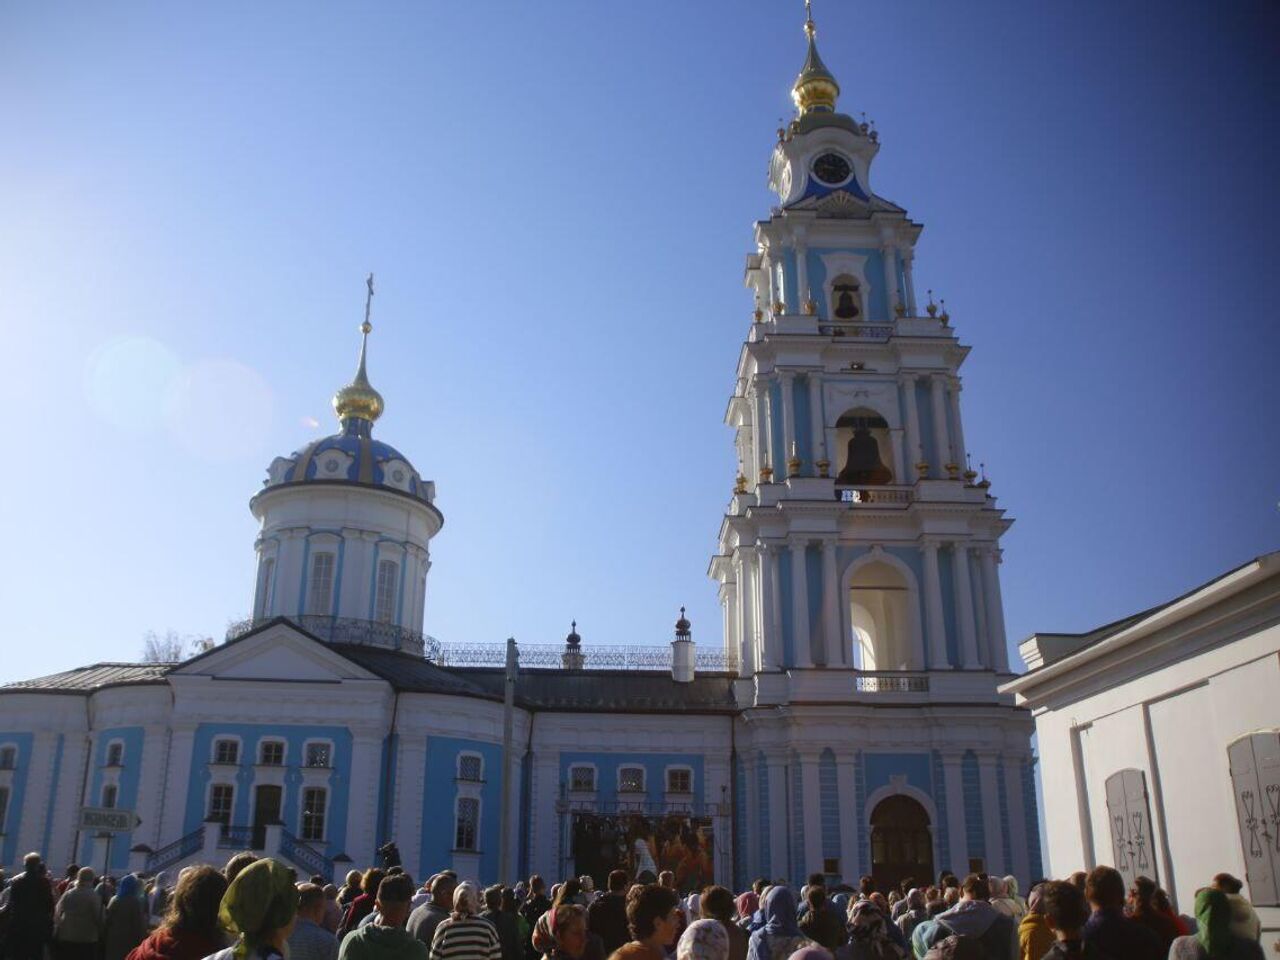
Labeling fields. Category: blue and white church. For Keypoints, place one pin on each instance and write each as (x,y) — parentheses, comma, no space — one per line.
(850,723)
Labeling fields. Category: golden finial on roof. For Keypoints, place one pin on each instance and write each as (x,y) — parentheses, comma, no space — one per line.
(358,400)
(816,87)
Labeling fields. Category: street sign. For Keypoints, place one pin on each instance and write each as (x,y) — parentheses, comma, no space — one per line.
(108,820)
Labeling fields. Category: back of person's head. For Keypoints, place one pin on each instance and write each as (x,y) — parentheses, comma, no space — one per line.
(617,881)
(568,890)
(85,877)
(815,897)
(508,899)
(330,891)
(194,904)
(33,863)
(951,896)
(238,863)
(996,886)
(1078,880)
(537,884)
(717,903)
(1064,906)
(353,879)
(1227,883)
(394,888)
(73,869)
(371,879)
(866,886)
(395,871)
(587,883)
(646,908)
(667,879)
(758,885)
(976,887)
(493,897)
(310,899)
(317,880)
(1144,892)
(817,880)
(1105,888)
(906,884)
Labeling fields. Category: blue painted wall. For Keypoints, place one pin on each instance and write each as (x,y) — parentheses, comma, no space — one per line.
(795,838)
(813,584)
(655,765)
(975,829)
(17,793)
(295,738)
(881,766)
(860,805)
(1005,842)
(762,798)
(386,786)
(875,298)
(440,792)
(941,830)
(829,804)
(945,574)
(126,797)
(804,425)
(786,607)
(924,413)
(1032,821)
(740,826)
(775,430)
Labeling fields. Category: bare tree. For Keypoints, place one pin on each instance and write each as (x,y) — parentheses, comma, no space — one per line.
(170,648)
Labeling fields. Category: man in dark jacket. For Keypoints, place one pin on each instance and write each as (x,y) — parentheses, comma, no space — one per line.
(534,907)
(1108,928)
(503,922)
(607,916)
(30,911)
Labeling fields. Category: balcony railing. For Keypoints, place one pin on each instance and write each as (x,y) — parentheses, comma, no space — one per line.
(305,855)
(891,682)
(370,633)
(875,496)
(866,331)
(595,656)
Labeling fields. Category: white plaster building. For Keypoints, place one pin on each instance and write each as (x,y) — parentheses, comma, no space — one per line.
(850,722)
(1160,739)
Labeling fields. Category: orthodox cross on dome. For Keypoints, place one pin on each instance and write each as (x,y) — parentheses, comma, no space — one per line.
(368,306)
(357,404)
(816,87)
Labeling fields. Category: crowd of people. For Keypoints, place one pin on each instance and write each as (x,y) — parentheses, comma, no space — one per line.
(258,909)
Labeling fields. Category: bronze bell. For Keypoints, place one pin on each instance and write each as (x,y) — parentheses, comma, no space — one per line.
(863,465)
(846,306)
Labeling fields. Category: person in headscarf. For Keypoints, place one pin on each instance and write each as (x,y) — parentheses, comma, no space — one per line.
(812,952)
(915,913)
(821,923)
(126,920)
(692,906)
(703,940)
(871,935)
(1035,938)
(259,909)
(747,904)
(779,936)
(158,899)
(465,935)
(190,930)
(717,904)
(1214,939)
(956,948)
(561,932)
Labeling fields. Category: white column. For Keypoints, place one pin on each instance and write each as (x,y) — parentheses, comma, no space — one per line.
(956,827)
(980,610)
(800,605)
(1018,839)
(942,453)
(914,452)
(956,424)
(994,854)
(777,817)
(995,610)
(908,256)
(890,281)
(787,380)
(771,635)
(818,431)
(169,824)
(362,799)
(850,868)
(746,624)
(831,626)
(775,295)
(811,798)
(902,472)
(964,606)
(729,614)
(934,623)
(763,435)
(405,820)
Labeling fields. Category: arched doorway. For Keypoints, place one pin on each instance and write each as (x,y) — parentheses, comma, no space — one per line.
(901,844)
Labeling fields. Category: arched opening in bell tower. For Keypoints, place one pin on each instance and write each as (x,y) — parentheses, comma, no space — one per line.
(865,449)
(878,613)
(846,299)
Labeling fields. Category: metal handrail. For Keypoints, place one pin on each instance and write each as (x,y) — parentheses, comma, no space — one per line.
(179,849)
(891,681)
(305,855)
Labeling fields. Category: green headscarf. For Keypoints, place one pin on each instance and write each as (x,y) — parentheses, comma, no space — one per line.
(1213,917)
(261,898)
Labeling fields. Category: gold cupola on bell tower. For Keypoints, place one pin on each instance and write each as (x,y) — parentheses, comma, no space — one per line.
(816,87)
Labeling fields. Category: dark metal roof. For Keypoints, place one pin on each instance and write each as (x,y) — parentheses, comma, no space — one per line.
(94,677)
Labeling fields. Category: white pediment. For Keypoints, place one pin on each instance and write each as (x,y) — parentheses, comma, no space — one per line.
(277,652)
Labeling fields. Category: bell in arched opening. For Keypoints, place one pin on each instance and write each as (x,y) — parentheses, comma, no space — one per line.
(847,301)
(863,464)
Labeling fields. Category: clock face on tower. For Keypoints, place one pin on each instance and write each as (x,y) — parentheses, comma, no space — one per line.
(831,169)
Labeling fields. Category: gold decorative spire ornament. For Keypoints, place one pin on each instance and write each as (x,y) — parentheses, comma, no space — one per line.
(358,400)
(816,87)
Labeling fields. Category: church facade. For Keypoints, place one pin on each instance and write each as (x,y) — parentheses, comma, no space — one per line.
(850,723)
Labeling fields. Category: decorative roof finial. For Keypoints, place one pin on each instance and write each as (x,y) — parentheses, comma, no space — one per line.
(816,87)
(357,403)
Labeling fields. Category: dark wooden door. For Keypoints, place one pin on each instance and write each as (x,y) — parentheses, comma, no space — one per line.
(266,809)
(901,843)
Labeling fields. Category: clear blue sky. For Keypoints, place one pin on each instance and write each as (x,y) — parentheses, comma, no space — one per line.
(556,199)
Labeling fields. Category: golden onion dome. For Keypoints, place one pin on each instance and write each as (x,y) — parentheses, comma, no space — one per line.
(358,400)
(816,87)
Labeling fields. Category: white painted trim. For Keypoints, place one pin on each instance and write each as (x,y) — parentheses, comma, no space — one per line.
(284,752)
(213,750)
(666,779)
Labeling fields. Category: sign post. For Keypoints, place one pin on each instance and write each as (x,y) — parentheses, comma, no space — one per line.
(107,822)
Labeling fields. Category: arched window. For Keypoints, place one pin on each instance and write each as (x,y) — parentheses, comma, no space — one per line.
(385,594)
(901,843)
(865,448)
(846,299)
(878,597)
(320,586)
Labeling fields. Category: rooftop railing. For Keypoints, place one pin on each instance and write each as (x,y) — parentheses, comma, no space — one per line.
(595,656)
(369,633)
(891,682)
(874,496)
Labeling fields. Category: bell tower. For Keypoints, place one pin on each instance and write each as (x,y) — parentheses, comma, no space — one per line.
(857,541)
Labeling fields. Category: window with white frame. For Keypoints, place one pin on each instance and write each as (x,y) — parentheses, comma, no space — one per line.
(4,808)
(115,754)
(8,757)
(467,824)
(221,796)
(384,607)
(470,767)
(110,793)
(271,753)
(318,754)
(631,780)
(314,802)
(226,751)
(679,780)
(320,585)
(582,779)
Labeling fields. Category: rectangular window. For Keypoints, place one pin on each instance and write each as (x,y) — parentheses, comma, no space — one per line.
(384,610)
(314,800)
(679,781)
(109,794)
(320,587)
(469,767)
(220,797)
(4,807)
(464,837)
(631,780)
(226,751)
(582,779)
(8,758)
(317,755)
(115,754)
(831,866)
(271,753)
